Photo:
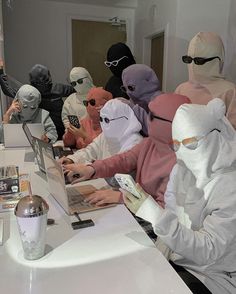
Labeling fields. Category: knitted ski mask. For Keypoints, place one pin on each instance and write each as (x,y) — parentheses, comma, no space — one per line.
(121,53)
(29,99)
(81,80)
(40,78)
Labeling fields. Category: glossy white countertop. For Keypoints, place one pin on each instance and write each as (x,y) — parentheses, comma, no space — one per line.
(115,256)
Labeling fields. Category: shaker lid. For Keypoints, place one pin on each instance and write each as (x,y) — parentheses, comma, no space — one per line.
(31,206)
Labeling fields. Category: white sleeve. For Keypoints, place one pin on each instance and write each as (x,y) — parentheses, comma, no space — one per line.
(206,244)
(89,153)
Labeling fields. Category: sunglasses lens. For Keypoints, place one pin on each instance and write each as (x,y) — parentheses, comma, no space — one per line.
(123,89)
(107,63)
(131,88)
(80,81)
(92,102)
(191,145)
(73,84)
(106,120)
(175,145)
(187,59)
(199,60)
(85,102)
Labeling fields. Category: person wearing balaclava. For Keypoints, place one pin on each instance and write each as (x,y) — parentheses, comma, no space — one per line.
(90,125)
(51,93)
(141,85)
(120,132)
(82,82)
(152,159)
(119,57)
(25,108)
(197,228)
(205,59)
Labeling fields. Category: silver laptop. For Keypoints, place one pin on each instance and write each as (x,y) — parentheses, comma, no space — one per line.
(70,198)
(39,145)
(14,135)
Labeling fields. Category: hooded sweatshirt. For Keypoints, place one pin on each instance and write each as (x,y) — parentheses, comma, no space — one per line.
(119,134)
(51,93)
(30,98)
(207,81)
(199,225)
(91,123)
(116,52)
(73,105)
(152,159)
(142,85)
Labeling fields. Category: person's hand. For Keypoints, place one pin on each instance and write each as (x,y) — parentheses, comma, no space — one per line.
(78,172)
(45,138)
(102,197)
(131,201)
(64,160)
(77,132)
(15,107)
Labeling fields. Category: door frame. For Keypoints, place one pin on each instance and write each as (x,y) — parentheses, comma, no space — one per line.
(147,45)
(129,42)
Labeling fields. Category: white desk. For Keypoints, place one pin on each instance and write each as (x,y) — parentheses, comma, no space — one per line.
(113,257)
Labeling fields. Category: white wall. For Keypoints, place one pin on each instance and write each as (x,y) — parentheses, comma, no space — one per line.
(182,20)
(195,16)
(38,32)
(153,16)
(230,63)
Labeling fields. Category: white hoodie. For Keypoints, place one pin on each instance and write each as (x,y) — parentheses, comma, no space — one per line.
(199,221)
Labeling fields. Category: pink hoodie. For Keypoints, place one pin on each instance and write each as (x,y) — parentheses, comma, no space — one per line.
(152,159)
(91,122)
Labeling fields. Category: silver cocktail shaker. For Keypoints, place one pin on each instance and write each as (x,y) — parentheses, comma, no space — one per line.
(31,213)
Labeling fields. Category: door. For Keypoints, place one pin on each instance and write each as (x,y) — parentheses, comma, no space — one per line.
(157,54)
(90,42)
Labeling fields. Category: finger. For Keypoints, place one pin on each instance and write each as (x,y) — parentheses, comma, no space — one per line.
(78,180)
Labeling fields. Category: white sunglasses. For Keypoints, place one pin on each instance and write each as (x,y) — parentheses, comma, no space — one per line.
(114,62)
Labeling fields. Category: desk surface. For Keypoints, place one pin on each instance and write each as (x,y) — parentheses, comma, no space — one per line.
(115,256)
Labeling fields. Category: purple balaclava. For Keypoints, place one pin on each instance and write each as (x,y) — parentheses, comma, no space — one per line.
(141,84)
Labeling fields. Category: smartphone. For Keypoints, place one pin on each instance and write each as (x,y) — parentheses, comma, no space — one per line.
(73,119)
(127,183)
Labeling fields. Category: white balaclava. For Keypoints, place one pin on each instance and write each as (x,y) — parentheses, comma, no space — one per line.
(206,45)
(80,73)
(215,151)
(123,132)
(29,98)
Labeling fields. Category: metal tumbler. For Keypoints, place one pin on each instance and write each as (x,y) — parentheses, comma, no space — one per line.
(31,213)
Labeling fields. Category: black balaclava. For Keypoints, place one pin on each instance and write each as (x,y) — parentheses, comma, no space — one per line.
(115,52)
(40,78)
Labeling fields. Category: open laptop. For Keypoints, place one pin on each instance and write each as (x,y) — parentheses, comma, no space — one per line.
(70,198)
(39,146)
(14,135)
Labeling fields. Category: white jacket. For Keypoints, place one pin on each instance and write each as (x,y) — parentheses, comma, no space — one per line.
(199,221)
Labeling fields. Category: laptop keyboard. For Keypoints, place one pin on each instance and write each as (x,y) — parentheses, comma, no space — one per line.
(76,198)
(60,152)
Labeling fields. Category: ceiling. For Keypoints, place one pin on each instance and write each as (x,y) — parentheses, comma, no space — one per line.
(110,3)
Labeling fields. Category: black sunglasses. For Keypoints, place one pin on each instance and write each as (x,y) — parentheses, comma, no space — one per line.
(108,120)
(125,89)
(92,102)
(152,116)
(79,81)
(197,60)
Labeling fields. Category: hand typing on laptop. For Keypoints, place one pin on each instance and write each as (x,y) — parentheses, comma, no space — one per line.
(78,172)
(64,160)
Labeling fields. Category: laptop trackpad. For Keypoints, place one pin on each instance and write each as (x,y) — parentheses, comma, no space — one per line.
(29,156)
